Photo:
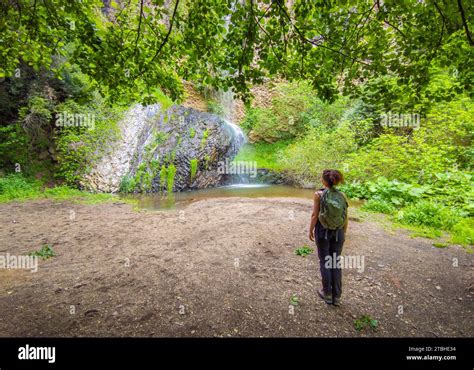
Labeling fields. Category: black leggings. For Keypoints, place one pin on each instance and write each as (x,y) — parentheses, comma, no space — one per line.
(329,243)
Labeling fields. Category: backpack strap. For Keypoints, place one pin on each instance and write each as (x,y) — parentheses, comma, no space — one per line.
(320,192)
(324,192)
(344,195)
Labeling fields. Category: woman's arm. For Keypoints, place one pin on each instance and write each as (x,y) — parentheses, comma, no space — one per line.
(314,216)
(346,222)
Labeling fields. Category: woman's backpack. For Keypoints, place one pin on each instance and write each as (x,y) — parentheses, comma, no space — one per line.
(332,210)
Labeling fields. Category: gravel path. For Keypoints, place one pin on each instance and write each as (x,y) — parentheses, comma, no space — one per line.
(220,267)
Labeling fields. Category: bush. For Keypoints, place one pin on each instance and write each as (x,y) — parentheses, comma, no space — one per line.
(16,186)
(325,115)
(215,108)
(463,232)
(127,184)
(453,189)
(394,192)
(442,143)
(397,157)
(379,205)
(426,213)
(319,149)
(20,187)
(79,147)
(283,119)
(13,146)
(170,173)
(194,168)
(450,126)
(265,154)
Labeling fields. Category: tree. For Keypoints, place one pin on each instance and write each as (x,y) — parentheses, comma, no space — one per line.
(132,46)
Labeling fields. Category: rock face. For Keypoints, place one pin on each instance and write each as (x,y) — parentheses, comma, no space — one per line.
(173,150)
(262,176)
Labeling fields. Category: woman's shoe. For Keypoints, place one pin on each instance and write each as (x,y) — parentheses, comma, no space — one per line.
(325,297)
(336,301)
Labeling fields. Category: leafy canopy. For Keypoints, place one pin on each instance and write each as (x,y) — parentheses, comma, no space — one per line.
(134,46)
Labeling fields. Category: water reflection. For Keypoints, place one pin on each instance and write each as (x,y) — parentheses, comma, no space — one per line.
(177,200)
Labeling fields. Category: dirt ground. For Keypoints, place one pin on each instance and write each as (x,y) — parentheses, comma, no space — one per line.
(220,267)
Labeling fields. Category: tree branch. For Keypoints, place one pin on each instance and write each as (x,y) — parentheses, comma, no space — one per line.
(316,43)
(121,11)
(442,26)
(249,37)
(395,28)
(139,24)
(464,22)
(165,40)
(269,37)
(359,22)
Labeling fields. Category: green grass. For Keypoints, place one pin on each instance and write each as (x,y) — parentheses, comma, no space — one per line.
(423,220)
(162,98)
(417,230)
(463,232)
(205,135)
(265,154)
(378,205)
(304,251)
(365,321)
(170,173)
(194,167)
(294,300)
(44,253)
(426,213)
(163,176)
(16,187)
(127,184)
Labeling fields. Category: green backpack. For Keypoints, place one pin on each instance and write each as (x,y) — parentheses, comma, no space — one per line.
(332,210)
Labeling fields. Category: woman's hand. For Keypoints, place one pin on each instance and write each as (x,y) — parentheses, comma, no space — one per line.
(314,216)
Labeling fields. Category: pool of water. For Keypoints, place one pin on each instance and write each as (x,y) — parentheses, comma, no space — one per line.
(177,200)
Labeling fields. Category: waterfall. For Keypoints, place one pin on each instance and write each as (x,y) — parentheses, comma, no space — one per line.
(226,100)
(238,137)
(152,139)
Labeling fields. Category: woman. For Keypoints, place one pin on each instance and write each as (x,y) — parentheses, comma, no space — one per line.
(328,227)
